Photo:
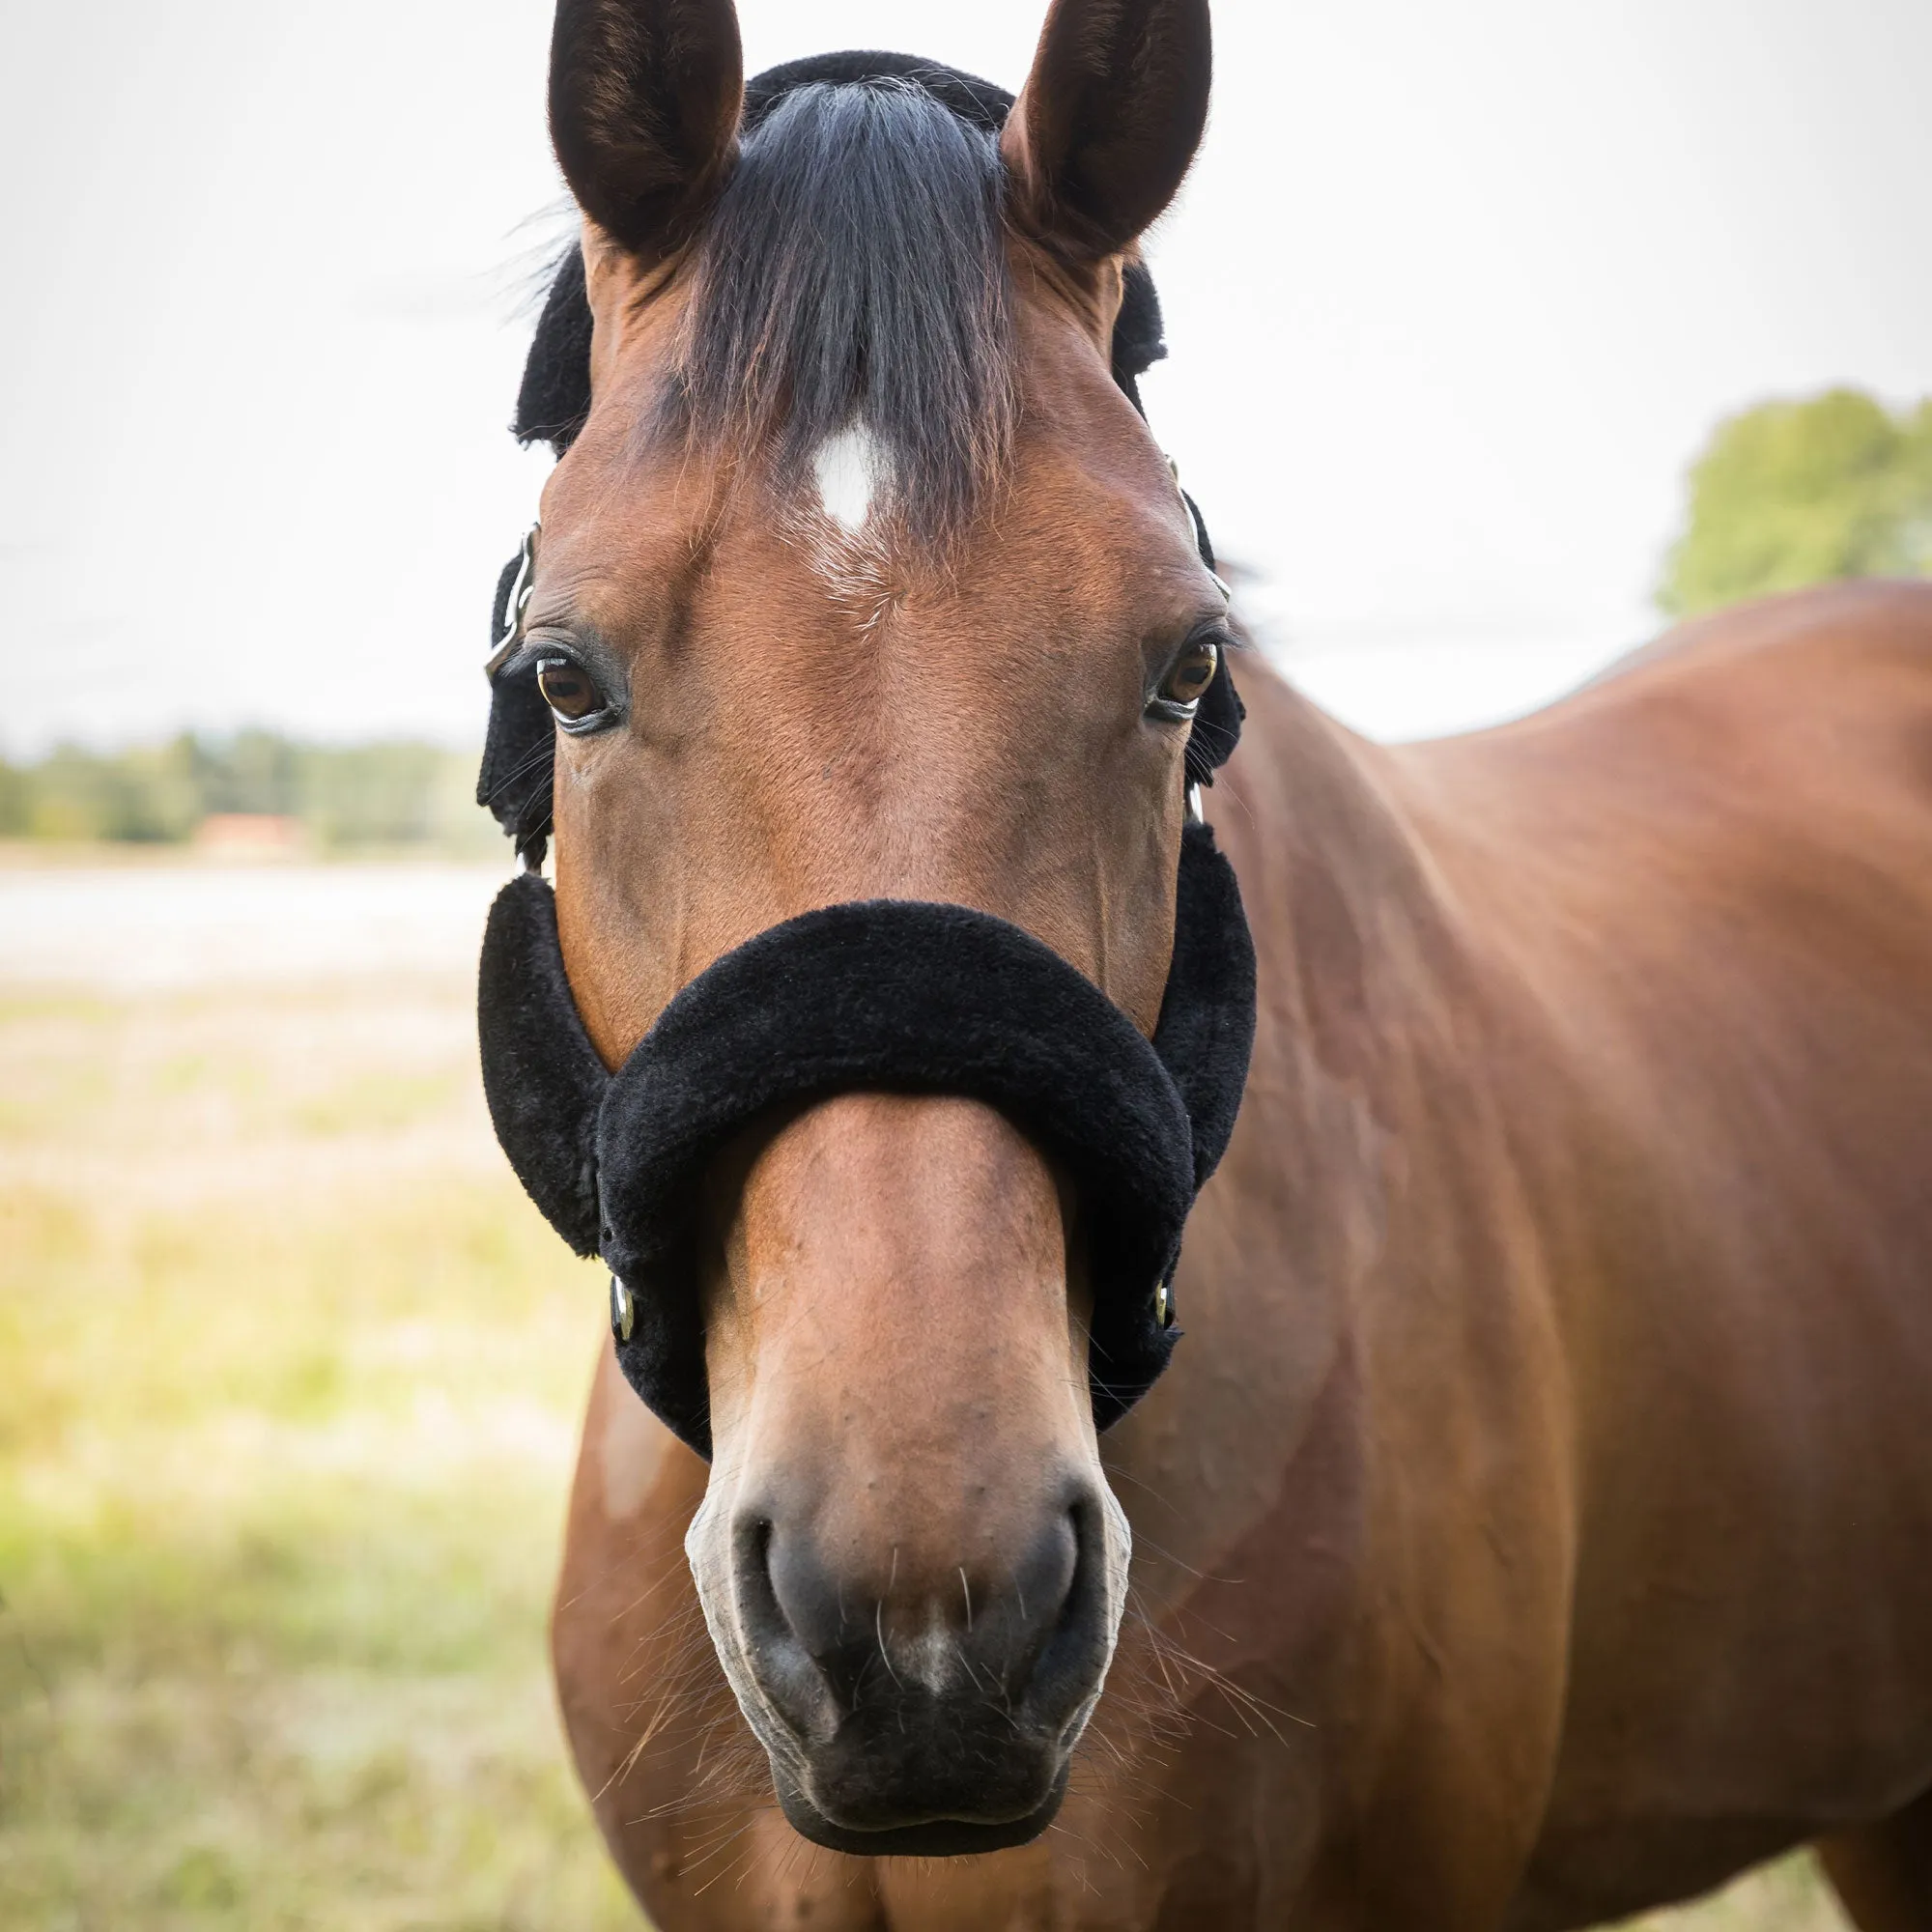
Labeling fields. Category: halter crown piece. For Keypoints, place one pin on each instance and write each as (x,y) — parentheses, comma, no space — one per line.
(879,994)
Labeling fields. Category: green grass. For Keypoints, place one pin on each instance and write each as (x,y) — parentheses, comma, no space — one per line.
(290,1379)
(1788,1896)
(283,1451)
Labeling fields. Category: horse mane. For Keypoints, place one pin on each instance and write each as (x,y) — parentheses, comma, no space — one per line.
(853,274)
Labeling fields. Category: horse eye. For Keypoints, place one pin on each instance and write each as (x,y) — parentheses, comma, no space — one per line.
(569,689)
(1191,673)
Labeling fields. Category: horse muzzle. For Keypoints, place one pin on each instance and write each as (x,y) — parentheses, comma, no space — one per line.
(912,1729)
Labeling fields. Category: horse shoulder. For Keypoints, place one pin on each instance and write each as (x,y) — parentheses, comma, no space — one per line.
(1707,880)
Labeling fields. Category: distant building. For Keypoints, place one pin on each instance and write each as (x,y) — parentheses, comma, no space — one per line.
(249,836)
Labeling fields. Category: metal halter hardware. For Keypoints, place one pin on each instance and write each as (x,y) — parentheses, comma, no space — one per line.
(514,603)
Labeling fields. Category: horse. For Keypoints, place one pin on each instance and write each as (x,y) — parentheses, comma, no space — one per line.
(1535,1522)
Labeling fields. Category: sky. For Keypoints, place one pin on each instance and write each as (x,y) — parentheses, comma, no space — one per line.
(1454,296)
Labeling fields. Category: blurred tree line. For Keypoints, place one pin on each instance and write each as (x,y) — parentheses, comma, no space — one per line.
(1796,492)
(398,793)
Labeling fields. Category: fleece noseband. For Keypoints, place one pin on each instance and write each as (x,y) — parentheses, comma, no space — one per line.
(878,995)
(882,995)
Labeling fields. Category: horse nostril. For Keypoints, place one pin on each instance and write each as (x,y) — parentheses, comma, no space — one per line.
(781,1652)
(804,1594)
(1070,1622)
(1044,1579)
(1034,1631)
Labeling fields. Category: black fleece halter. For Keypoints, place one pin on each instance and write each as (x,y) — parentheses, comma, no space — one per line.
(882,995)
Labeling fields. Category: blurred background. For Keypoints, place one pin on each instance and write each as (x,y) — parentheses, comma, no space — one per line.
(1500,336)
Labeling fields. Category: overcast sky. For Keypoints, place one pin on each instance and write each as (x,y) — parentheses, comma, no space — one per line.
(1454,295)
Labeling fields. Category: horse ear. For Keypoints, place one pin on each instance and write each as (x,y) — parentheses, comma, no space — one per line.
(1109,118)
(644,99)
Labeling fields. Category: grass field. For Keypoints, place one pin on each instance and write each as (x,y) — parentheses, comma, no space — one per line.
(290,1374)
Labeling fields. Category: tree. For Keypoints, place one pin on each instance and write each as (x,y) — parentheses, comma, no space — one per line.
(1796,492)
(396,793)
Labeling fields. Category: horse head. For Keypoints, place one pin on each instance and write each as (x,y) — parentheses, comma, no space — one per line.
(864,582)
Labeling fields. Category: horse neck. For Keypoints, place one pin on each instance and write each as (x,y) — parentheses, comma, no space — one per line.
(1370,980)
(1355,1044)
(1372,1192)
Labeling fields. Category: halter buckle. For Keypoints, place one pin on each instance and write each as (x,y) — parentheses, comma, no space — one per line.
(521,586)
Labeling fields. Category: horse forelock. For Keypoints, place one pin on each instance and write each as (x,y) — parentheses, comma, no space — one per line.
(850,319)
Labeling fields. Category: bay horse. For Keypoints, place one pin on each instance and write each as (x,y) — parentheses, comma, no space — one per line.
(1535,1524)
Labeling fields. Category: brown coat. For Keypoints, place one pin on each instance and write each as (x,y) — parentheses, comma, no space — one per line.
(1536,1521)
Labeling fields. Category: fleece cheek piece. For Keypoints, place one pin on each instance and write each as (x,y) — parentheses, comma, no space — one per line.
(885,995)
(541,1075)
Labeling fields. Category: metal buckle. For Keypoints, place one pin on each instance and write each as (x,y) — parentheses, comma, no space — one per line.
(521,586)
